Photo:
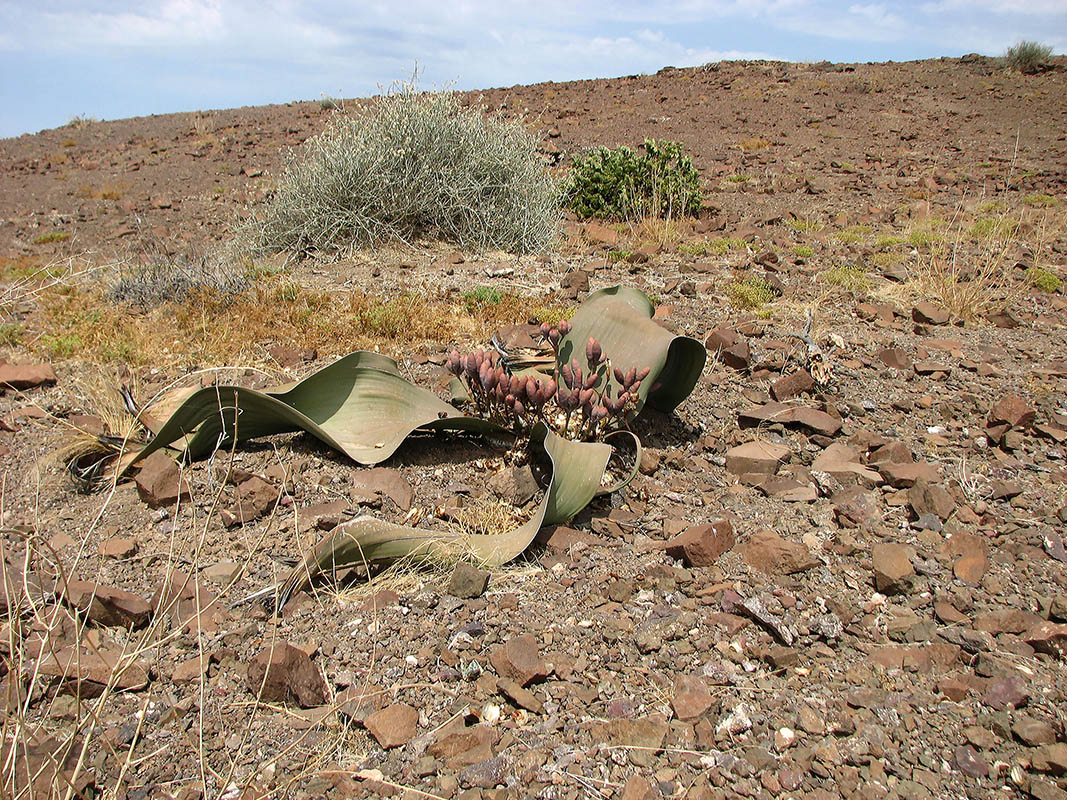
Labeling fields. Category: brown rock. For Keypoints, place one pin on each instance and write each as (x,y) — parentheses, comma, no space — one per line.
(1006,693)
(770,553)
(189,603)
(969,762)
(159,483)
(26,376)
(893,572)
(394,725)
(1048,637)
(811,418)
(730,347)
(106,605)
(973,556)
(468,581)
(601,234)
(792,385)
(1013,411)
(518,695)
(255,498)
(463,748)
(894,358)
(691,697)
(901,476)
(928,314)
(281,673)
(514,485)
(842,463)
(35,766)
(931,498)
(759,457)
(645,735)
(386,482)
(85,673)
(701,545)
(1033,732)
(520,660)
(190,670)
(1052,758)
(118,547)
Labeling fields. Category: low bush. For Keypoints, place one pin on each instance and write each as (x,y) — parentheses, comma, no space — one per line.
(621,184)
(414,165)
(1028,57)
(164,279)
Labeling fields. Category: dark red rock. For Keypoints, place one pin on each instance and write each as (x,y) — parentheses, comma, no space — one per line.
(107,605)
(394,725)
(159,483)
(26,376)
(1048,637)
(1013,411)
(520,660)
(281,673)
(895,358)
(792,385)
(701,545)
(768,552)
(893,572)
(929,314)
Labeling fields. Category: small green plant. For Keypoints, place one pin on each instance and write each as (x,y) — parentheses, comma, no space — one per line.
(712,247)
(851,277)
(923,238)
(62,345)
(1043,279)
(853,233)
(615,256)
(481,297)
(50,238)
(805,225)
(803,251)
(993,228)
(10,334)
(886,242)
(738,178)
(884,260)
(1029,57)
(1040,200)
(620,184)
(751,294)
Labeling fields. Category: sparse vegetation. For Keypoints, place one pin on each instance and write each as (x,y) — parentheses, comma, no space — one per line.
(1043,279)
(712,247)
(620,184)
(851,277)
(1040,200)
(803,251)
(414,165)
(164,278)
(751,294)
(481,297)
(52,237)
(1028,57)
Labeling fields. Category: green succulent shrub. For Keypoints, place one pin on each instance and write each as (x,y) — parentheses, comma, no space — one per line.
(414,164)
(1028,57)
(622,184)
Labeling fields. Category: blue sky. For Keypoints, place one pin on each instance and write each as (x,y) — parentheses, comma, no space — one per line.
(119,59)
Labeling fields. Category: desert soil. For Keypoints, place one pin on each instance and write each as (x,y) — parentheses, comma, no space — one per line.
(887,617)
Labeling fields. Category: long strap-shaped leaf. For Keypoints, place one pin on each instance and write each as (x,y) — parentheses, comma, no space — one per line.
(357,405)
(577,469)
(620,318)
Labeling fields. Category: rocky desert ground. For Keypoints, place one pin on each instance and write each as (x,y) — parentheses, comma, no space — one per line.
(846,584)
